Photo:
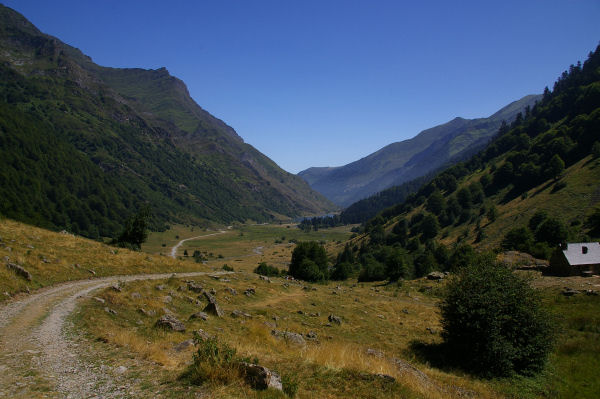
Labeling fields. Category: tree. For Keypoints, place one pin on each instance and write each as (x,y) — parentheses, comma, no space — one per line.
(556,166)
(309,262)
(519,238)
(492,213)
(136,229)
(552,231)
(435,203)
(493,321)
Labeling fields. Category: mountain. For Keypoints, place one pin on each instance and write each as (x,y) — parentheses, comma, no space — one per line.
(83,146)
(535,186)
(406,160)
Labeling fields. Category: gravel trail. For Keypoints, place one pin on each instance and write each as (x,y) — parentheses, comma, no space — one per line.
(39,359)
(176,246)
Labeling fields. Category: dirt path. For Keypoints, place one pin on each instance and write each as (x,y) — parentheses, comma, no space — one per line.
(39,359)
(176,247)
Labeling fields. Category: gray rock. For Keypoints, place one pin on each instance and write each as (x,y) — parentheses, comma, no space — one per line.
(232,291)
(167,299)
(145,312)
(184,345)
(214,309)
(136,295)
(195,287)
(19,270)
(93,273)
(265,278)
(335,319)
(250,292)
(375,353)
(291,337)
(160,287)
(435,276)
(201,335)
(199,315)
(240,314)
(110,311)
(120,369)
(171,323)
(311,335)
(260,377)
(570,292)
(102,301)
(116,287)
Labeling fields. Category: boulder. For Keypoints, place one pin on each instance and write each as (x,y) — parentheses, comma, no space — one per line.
(171,323)
(239,314)
(199,315)
(570,292)
(195,287)
(201,335)
(110,311)
(291,337)
(19,270)
(184,345)
(160,287)
(250,292)
(214,309)
(147,312)
(232,291)
(260,377)
(435,276)
(334,319)
(375,353)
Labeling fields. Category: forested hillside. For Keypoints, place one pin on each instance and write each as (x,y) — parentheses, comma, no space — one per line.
(537,184)
(82,147)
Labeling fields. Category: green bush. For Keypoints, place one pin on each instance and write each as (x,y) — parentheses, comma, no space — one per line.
(342,271)
(309,262)
(227,268)
(265,270)
(493,321)
(213,361)
(372,270)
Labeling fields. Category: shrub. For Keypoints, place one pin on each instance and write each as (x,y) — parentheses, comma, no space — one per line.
(213,361)
(372,270)
(309,262)
(493,321)
(265,270)
(227,268)
(519,238)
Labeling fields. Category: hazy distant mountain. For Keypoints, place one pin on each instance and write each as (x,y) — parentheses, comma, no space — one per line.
(82,146)
(406,160)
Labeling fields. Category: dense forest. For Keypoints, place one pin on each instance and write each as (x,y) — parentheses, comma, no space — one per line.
(406,240)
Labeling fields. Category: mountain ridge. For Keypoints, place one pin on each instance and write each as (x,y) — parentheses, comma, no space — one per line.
(403,161)
(136,135)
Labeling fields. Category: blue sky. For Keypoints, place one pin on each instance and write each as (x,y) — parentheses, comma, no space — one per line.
(324,83)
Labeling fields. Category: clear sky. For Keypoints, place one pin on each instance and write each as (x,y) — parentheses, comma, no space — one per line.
(324,83)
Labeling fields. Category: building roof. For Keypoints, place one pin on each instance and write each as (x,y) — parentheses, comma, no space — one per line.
(582,253)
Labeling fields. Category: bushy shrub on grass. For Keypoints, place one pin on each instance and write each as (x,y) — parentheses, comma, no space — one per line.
(265,270)
(493,321)
(309,262)
(214,361)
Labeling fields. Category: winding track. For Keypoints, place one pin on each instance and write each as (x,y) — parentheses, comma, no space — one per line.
(37,359)
(176,247)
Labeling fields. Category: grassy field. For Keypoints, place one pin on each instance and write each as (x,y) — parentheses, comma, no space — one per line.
(52,257)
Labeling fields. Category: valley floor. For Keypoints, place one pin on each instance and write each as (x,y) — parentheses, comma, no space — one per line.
(98,337)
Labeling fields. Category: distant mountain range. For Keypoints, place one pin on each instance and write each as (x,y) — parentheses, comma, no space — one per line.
(406,160)
(83,146)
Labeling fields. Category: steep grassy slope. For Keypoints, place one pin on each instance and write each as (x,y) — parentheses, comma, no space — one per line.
(135,135)
(406,160)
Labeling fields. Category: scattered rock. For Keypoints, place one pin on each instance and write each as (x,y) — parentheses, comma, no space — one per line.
(181,288)
(214,309)
(408,369)
(167,299)
(591,292)
(381,316)
(334,319)
(170,322)
(116,287)
(431,330)
(570,292)
(290,337)
(250,292)
(318,314)
(311,335)
(184,345)
(135,295)
(265,278)
(239,314)
(213,291)
(109,310)
(300,312)
(232,291)
(385,378)
(436,276)
(147,312)
(120,370)
(92,272)
(202,335)
(260,377)
(199,315)
(44,260)
(195,287)
(160,287)
(102,301)
(19,270)
(375,353)
(405,311)
(270,325)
